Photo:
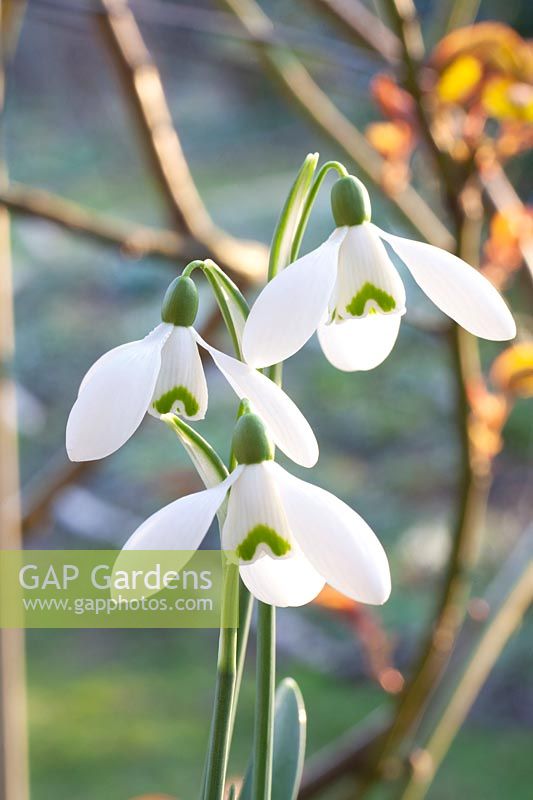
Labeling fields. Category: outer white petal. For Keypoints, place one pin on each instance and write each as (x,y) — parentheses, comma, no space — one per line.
(366,272)
(182,524)
(290,307)
(456,288)
(359,344)
(283,582)
(286,424)
(336,540)
(181,385)
(114,397)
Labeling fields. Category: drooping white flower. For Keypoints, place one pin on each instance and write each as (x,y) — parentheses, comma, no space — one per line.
(289,536)
(163,373)
(350,292)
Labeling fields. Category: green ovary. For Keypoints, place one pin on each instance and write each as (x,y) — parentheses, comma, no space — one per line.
(165,403)
(356,307)
(262,534)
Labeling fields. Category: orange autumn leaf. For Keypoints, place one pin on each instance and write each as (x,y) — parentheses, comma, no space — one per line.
(504,98)
(154,797)
(333,600)
(494,44)
(508,230)
(393,101)
(488,415)
(392,140)
(459,79)
(512,371)
(514,138)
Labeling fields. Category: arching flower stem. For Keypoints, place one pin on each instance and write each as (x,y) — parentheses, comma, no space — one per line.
(311,197)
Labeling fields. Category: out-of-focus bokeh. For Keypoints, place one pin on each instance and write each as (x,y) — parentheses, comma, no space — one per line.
(119,714)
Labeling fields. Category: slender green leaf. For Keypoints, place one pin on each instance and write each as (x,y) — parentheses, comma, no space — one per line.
(206,460)
(290,724)
(280,250)
(232,304)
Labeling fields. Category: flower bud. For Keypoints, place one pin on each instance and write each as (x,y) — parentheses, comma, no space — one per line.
(350,202)
(180,303)
(251,444)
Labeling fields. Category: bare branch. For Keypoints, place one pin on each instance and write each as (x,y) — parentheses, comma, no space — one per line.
(14,782)
(301,89)
(478,649)
(134,240)
(144,92)
(363,27)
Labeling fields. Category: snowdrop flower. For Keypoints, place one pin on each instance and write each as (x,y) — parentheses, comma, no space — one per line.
(288,536)
(350,292)
(162,373)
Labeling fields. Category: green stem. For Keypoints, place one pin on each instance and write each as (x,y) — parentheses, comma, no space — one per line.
(221,728)
(264,709)
(189,269)
(310,200)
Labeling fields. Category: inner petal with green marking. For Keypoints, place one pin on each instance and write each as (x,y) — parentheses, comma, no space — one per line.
(262,535)
(178,398)
(369,299)
(181,386)
(367,280)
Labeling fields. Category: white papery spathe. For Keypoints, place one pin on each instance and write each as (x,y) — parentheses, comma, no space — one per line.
(163,373)
(322,538)
(349,291)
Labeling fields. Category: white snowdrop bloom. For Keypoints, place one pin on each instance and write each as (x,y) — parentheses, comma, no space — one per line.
(163,373)
(350,292)
(288,536)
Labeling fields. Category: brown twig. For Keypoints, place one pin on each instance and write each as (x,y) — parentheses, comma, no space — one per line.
(302,90)
(132,239)
(14,783)
(43,488)
(478,648)
(405,23)
(362,27)
(144,92)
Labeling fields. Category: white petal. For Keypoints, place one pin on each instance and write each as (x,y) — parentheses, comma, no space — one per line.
(288,310)
(114,397)
(182,524)
(283,582)
(456,288)
(367,280)
(181,385)
(359,344)
(337,541)
(256,524)
(285,422)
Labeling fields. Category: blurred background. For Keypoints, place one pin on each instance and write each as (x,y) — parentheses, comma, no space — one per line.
(121,714)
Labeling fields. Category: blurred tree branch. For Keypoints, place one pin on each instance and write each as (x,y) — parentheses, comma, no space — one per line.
(14,779)
(302,90)
(360,25)
(144,92)
(404,20)
(478,649)
(134,240)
